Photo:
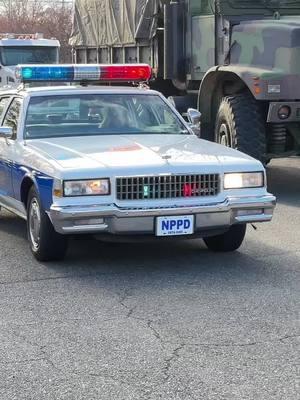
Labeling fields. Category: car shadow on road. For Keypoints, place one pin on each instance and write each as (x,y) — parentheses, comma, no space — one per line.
(188,259)
(127,265)
(12,225)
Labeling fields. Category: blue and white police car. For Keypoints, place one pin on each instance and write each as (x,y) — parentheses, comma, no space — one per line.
(117,161)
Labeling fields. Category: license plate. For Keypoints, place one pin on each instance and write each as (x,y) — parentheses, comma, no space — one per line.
(175,226)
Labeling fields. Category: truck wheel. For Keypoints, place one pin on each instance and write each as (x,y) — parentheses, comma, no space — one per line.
(45,243)
(229,241)
(240,125)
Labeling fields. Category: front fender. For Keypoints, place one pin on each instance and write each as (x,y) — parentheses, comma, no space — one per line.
(42,182)
(255,79)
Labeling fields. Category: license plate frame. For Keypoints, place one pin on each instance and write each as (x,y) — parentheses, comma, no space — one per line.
(179,225)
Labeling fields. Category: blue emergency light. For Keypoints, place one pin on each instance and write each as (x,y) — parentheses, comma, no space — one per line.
(84,72)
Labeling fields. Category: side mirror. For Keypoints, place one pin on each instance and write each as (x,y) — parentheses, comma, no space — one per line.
(6,132)
(194,117)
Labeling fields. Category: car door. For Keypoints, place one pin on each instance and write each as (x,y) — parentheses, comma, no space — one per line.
(7,151)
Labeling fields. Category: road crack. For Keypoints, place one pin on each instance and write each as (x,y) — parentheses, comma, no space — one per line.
(288,337)
(169,361)
(25,361)
(43,356)
(249,344)
(130,314)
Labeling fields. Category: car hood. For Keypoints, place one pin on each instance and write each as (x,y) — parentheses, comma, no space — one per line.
(132,151)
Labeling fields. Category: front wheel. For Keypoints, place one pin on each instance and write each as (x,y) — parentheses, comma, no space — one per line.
(240,125)
(229,241)
(45,243)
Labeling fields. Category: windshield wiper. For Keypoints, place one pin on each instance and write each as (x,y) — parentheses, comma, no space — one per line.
(183,132)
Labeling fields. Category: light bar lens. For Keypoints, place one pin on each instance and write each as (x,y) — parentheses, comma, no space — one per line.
(125,72)
(53,73)
(243,180)
(95,187)
(84,72)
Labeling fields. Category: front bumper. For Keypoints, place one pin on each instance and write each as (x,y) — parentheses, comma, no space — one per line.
(127,221)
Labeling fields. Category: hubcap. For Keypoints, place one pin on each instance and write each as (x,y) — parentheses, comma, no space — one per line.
(34,223)
(224,136)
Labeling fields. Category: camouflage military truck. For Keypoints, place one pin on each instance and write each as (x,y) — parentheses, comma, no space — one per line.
(238,61)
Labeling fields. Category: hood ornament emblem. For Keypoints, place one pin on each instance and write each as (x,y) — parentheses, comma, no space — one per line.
(166,157)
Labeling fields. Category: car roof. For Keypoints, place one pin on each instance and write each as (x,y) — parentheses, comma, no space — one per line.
(78,89)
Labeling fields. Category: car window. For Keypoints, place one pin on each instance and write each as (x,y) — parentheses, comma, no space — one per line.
(152,114)
(100,114)
(3,103)
(12,116)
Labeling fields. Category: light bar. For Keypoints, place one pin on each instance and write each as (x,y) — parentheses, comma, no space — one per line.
(21,36)
(84,72)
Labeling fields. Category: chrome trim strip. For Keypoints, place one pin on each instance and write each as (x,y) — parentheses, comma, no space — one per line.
(267,201)
(253,218)
(14,206)
(84,228)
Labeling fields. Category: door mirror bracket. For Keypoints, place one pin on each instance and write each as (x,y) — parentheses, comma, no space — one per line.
(6,132)
(194,118)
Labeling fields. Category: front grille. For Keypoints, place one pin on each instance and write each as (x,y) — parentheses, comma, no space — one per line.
(167,187)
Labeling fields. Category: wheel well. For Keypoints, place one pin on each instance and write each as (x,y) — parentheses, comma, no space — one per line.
(214,87)
(25,188)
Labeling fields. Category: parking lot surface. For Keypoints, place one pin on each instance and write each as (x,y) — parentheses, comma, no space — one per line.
(156,321)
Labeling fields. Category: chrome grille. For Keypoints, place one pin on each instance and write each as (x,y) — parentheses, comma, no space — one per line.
(167,187)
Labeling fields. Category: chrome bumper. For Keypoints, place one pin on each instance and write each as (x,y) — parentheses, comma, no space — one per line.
(115,220)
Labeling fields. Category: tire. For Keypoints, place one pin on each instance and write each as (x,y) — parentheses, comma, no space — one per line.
(240,125)
(45,243)
(229,241)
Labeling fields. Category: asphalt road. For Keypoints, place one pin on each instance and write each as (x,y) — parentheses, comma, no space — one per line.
(149,321)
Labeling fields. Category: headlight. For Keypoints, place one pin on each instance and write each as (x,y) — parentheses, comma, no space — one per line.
(244,180)
(95,187)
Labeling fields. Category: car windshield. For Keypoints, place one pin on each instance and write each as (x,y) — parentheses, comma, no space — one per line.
(14,55)
(269,4)
(100,114)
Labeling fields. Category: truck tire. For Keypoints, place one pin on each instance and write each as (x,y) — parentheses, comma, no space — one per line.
(240,125)
(45,243)
(228,241)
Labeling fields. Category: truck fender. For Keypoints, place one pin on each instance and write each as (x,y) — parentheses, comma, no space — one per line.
(241,77)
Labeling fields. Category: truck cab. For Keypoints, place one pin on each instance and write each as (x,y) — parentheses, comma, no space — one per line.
(24,49)
(249,72)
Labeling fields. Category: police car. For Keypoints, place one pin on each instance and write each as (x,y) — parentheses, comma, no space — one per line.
(118,162)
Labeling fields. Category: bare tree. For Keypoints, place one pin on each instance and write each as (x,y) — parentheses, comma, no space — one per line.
(57,22)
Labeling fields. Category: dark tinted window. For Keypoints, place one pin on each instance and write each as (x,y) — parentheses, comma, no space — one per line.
(12,116)
(14,55)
